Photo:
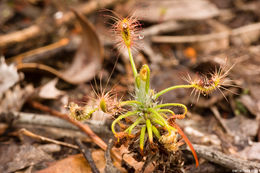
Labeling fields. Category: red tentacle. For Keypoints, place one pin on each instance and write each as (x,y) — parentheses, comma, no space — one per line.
(187,142)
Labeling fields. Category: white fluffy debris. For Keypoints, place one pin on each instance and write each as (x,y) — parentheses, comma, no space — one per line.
(8,76)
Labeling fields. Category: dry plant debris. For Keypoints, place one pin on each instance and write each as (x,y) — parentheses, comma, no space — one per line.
(58,61)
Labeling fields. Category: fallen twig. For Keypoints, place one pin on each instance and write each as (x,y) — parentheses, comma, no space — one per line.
(35,31)
(48,120)
(85,128)
(54,132)
(109,164)
(40,53)
(218,117)
(168,26)
(206,37)
(227,161)
(42,138)
(190,38)
(87,155)
(38,119)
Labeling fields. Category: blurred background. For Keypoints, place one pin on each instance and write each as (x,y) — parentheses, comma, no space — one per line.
(59,51)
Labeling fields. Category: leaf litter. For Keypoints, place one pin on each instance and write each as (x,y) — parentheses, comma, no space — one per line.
(235,132)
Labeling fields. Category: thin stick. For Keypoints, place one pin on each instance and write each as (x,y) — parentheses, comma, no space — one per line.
(42,138)
(168,26)
(40,53)
(215,111)
(85,128)
(189,38)
(109,163)
(228,161)
(206,37)
(36,31)
(87,154)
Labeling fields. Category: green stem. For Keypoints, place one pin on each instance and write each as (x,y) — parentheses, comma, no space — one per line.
(142,138)
(156,132)
(149,130)
(132,61)
(130,102)
(145,77)
(156,121)
(173,104)
(121,117)
(159,117)
(130,128)
(166,110)
(171,88)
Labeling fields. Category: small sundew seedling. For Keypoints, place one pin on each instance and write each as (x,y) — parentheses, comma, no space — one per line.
(103,100)
(147,124)
(80,113)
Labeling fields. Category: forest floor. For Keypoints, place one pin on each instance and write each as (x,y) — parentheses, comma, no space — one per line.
(56,52)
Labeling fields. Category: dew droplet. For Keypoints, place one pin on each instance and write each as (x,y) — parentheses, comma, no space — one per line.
(124,25)
(58,15)
(141,37)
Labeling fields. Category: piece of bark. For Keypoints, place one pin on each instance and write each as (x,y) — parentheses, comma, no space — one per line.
(228,161)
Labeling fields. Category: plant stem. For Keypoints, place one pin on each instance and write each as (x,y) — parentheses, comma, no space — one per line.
(142,138)
(156,132)
(149,130)
(121,117)
(129,102)
(173,104)
(159,117)
(156,121)
(130,128)
(171,88)
(132,61)
(166,110)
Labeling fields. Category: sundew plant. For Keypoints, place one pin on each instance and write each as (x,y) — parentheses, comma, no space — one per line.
(145,124)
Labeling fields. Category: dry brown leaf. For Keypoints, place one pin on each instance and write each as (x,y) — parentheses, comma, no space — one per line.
(86,62)
(76,164)
(156,11)
(89,56)
(14,98)
(20,156)
(49,91)
(129,159)
(251,104)
(8,76)
(251,152)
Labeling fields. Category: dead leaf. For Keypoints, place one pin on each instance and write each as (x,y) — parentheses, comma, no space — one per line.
(157,11)
(251,152)
(8,76)
(20,157)
(76,164)
(86,62)
(128,158)
(251,104)
(14,98)
(49,91)
(242,127)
